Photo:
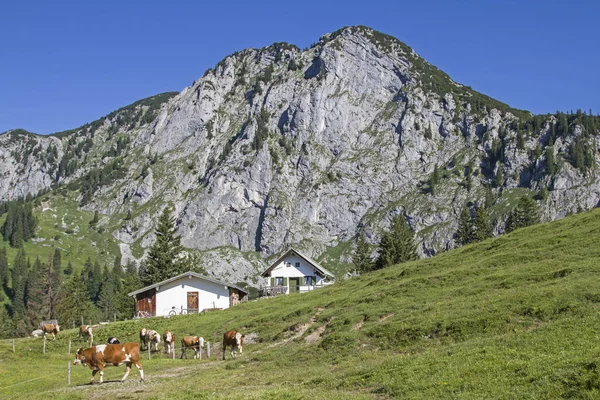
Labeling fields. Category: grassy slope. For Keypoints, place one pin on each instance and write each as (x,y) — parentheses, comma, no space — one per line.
(63,225)
(512,317)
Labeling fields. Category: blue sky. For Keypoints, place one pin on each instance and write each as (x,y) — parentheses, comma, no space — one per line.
(65,63)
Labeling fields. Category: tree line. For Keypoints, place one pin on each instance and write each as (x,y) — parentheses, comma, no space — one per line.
(42,290)
(398,245)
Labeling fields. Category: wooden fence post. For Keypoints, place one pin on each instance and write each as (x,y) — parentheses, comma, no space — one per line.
(82,320)
(69,347)
(69,373)
(148,351)
(173,350)
(208,350)
(13,345)
(44,344)
(115,317)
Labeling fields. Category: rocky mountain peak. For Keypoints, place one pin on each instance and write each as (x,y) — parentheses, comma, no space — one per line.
(280,146)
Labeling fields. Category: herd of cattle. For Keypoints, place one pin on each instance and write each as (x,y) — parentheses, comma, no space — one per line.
(114,353)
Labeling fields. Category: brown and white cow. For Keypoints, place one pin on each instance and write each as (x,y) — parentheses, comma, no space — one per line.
(85,332)
(195,342)
(50,328)
(235,340)
(99,356)
(143,333)
(169,338)
(152,337)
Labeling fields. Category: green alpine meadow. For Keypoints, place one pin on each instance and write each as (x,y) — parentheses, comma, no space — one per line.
(509,317)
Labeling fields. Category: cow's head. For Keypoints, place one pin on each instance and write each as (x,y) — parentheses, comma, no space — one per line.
(143,332)
(239,341)
(169,337)
(79,358)
(57,328)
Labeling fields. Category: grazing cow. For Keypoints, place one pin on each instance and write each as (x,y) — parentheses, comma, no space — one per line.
(97,357)
(152,337)
(234,339)
(50,328)
(169,338)
(195,342)
(85,332)
(113,340)
(143,333)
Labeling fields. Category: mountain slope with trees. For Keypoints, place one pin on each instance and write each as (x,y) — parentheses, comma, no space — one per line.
(282,146)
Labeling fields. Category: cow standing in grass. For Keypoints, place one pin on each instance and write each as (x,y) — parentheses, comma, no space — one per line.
(97,357)
(143,333)
(86,333)
(195,342)
(152,337)
(50,328)
(169,338)
(235,340)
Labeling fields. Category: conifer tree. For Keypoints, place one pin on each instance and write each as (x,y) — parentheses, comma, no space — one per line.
(69,269)
(464,234)
(75,302)
(396,246)
(525,214)
(19,282)
(37,308)
(4,272)
(56,267)
(482,229)
(361,257)
(163,258)
(550,163)
(499,178)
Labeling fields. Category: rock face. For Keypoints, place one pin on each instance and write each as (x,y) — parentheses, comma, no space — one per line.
(277,147)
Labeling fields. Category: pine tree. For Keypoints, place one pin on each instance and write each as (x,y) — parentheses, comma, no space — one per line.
(396,246)
(525,214)
(464,234)
(550,164)
(75,302)
(69,269)
(482,229)
(520,140)
(131,282)
(4,272)
(361,257)
(37,308)
(163,258)
(19,282)
(499,178)
(56,270)
(92,278)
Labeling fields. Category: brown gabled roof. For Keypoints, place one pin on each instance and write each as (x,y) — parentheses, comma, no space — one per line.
(190,273)
(309,260)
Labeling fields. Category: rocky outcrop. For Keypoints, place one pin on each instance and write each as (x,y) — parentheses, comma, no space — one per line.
(278,146)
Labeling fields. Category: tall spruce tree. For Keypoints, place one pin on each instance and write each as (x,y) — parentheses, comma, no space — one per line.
(76,303)
(4,271)
(37,308)
(464,234)
(163,258)
(397,245)
(361,257)
(19,283)
(482,229)
(526,213)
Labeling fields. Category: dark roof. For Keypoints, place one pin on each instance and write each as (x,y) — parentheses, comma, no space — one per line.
(309,260)
(190,273)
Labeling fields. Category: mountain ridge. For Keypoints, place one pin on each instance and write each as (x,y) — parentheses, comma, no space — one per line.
(280,146)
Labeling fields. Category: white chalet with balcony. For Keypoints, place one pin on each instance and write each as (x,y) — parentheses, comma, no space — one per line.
(295,272)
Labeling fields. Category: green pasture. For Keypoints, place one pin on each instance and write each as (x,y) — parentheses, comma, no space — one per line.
(515,317)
